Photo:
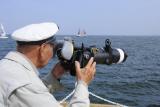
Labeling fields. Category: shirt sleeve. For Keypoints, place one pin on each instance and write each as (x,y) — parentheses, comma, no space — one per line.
(27,96)
(81,96)
(52,83)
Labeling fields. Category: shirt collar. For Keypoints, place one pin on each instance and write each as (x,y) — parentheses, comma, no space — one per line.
(23,60)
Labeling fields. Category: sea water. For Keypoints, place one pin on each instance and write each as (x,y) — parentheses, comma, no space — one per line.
(135,82)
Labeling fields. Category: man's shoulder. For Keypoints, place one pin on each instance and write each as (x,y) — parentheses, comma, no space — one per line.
(12,76)
(14,70)
(13,73)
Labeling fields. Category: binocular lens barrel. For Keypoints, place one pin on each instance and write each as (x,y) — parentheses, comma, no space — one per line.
(116,56)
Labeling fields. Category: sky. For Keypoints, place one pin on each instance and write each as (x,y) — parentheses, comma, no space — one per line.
(97,17)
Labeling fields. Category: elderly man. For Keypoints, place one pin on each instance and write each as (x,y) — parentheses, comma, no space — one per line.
(20,85)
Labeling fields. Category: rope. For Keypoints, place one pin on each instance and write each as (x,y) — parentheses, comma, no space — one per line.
(108,101)
(69,95)
(99,97)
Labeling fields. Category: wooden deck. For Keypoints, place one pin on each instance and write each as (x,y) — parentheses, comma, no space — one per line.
(96,105)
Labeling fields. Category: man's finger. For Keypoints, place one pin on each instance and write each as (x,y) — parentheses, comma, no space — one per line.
(77,65)
(94,64)
(94,67)
(89,62)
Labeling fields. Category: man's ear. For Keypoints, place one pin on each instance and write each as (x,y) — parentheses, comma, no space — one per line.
(42,50)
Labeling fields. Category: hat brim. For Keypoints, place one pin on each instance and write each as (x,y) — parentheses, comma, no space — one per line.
(48,40)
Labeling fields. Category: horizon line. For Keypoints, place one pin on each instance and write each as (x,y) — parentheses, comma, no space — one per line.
(108,35)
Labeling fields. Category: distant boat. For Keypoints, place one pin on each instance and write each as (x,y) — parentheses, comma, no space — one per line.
(3,34)
(81,33)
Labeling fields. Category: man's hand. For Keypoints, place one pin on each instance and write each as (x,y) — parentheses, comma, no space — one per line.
(87,73)
(58,71)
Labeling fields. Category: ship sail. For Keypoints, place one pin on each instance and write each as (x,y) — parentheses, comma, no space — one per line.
(81,33)
(2,32)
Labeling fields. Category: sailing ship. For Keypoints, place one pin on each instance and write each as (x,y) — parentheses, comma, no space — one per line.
(81,33)
(2,32)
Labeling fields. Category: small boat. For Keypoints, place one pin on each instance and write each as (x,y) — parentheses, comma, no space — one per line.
(81,33)
(3,34)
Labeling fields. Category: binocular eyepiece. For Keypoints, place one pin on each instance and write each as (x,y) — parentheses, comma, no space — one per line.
(68,53)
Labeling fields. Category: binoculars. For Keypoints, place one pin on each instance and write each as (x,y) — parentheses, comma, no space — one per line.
(67,52)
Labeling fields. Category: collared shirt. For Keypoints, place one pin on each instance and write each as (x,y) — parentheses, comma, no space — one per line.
(20,85)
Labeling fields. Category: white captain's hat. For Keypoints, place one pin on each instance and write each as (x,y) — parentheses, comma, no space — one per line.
(35,32)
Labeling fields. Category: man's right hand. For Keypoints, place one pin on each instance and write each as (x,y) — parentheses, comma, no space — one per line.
(87,73)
